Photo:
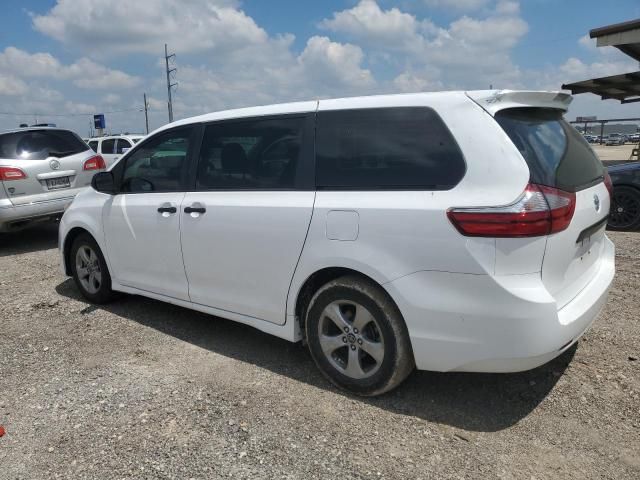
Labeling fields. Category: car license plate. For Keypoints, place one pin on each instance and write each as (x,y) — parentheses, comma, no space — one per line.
(56,183)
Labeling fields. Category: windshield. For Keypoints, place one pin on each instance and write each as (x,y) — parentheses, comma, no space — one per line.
(557,155)
(40,144)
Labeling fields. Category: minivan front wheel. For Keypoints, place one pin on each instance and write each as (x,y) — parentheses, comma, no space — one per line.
(357,337)
(89,270)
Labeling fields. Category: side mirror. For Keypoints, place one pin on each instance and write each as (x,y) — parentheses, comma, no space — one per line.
(103,182)
(125,150)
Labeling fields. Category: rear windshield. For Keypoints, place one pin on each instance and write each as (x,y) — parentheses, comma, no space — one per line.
(556,153)
(40,144)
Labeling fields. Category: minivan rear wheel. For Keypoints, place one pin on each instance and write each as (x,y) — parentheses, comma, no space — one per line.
(357,337)
(89,270)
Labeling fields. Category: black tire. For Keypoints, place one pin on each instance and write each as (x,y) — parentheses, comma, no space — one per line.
(385,330)
(103,293)
(625,208)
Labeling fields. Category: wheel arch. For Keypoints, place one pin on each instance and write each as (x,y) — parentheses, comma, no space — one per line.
(68,242)
(321,277)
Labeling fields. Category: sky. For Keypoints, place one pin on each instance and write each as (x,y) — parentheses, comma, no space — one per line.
(62,61)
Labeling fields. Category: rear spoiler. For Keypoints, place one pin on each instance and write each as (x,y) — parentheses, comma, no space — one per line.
(495,100)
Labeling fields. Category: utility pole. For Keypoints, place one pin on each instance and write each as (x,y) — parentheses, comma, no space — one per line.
(169,84)
(146,114)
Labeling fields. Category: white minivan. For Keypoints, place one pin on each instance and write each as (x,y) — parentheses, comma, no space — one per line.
(454,231)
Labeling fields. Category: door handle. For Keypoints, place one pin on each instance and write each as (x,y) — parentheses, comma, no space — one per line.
(167,209)
(194,210)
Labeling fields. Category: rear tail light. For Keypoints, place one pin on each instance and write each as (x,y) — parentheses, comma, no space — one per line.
(94,163)
(608,183)
(540,210)
(11,173)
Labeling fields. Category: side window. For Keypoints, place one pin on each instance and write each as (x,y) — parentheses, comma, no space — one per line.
(386,148)
(108,146)
(159,165)
(255,154)
(122,144)
(93,145)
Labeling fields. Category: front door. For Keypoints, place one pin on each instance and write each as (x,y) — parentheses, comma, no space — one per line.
(142,222)
(244,227)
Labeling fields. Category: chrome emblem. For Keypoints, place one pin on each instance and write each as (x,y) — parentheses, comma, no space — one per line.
(54,164)
(596,202)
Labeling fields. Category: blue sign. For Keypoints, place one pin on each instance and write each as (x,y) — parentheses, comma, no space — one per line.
(98,121)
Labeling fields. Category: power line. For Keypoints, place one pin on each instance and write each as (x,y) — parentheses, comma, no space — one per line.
(33,114)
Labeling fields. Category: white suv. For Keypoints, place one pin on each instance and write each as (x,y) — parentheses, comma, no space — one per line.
(112,147)
(448,231)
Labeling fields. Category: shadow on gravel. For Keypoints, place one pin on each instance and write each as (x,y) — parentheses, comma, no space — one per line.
(471,401)
(41,237)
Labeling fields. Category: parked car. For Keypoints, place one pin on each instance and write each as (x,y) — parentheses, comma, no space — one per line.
(615,139)
(388,231)
(41,170)
(625,207)
(634,137)
(112,147)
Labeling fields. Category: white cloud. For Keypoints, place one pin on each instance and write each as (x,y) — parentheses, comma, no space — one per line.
(507,7)
(412,82)
(84,73)
(457,5)
(386,29)
(588,43)
(470,53)
(79,108)
(91,75)
(111,99)
(143,26)
(324,68)
(12,86)
(470,36)
(336,64)
(575,69)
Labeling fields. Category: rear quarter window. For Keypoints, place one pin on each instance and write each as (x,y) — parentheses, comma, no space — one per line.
(386,149)
(557,155)
(40,144)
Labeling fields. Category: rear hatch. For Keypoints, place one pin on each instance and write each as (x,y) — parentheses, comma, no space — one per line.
(559,157)
(44,165)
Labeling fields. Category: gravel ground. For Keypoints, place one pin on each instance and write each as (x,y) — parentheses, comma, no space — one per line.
(142,389)
(613,152)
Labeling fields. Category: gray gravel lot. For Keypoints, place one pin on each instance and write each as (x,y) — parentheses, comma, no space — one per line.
(142,389)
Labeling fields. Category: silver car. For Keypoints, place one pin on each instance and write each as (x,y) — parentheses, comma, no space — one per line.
(41,170)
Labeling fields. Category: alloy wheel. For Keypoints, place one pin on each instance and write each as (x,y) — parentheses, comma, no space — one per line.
(625,211)
(88,269)
(351,339)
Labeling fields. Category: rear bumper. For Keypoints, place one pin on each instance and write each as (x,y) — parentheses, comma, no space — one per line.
(482,323)
(16,217)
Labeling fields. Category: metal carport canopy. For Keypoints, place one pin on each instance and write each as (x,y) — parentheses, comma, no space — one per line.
(624,36)
(624,87)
